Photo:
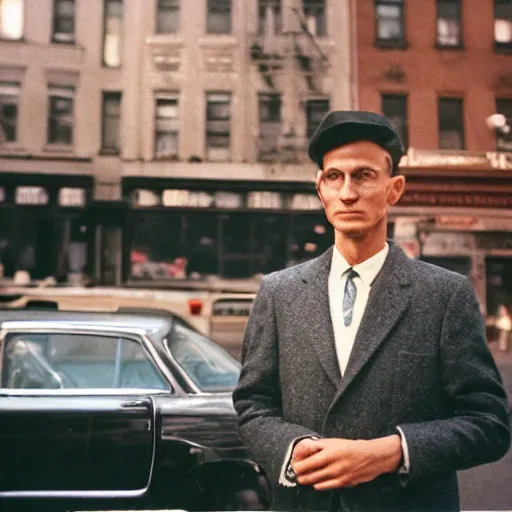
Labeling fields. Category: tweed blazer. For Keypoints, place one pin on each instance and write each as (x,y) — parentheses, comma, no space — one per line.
(420,361)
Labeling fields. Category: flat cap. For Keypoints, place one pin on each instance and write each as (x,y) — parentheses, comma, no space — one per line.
(345,126)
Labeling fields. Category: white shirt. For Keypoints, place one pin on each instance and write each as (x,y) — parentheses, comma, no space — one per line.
(344,336)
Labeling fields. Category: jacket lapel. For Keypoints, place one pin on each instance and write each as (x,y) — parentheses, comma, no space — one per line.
(316,295)
(389,299)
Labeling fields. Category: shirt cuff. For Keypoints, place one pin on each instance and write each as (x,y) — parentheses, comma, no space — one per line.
(405,467)
(287,477)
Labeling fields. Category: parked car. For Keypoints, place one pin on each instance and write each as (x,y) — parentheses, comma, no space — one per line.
(119,410)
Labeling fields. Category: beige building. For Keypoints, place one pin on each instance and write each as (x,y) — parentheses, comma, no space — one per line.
(158,139)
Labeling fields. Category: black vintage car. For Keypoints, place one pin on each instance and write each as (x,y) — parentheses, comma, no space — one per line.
(119,410)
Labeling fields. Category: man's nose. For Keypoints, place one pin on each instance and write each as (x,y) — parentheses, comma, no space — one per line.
(348,192)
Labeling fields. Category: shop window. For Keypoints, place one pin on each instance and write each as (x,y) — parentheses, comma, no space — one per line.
(269,17)
(9,99)
(60,120)
(218,19)
(270,126)
(314,13)
(451,123)
(111,118)
(316,110)
(390,22)
(504,138)
(394,107)
(112,33)
(11,19)
(7,250)
(168,17)
(449,23)
(503,24)
(218,126)
(310,236)
(499,283)
(166,125)
(63,21)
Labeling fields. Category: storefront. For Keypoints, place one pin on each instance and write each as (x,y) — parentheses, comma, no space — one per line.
(180,230)
(44,229)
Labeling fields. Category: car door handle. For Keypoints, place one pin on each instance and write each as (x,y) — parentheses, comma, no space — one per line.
(134,404)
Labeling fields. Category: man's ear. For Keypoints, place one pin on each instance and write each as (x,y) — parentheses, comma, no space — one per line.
(318,191)
(397,189)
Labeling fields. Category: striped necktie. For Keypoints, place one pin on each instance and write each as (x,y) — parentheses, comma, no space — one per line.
(349,298)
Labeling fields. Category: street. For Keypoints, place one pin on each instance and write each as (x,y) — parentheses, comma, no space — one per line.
(489,487)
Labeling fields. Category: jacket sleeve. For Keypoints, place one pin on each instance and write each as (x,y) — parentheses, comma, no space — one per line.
(477,431)
(257,398)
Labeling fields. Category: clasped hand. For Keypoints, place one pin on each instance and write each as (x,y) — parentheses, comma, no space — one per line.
(332,463)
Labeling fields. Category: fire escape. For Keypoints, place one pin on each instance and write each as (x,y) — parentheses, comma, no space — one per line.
(292,66)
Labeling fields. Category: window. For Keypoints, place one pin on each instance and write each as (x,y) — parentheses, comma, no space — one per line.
(503,23)
(113,32)
(60,121)
(314,12)
(390,21)
(64,21)
(78,361)
(449,23)
(166,125)
(218,121)
(110,130)
(218,19)
(168,17)
(269,16)
(316,110)
(504,140)
(11,19)
(270,126)
(9,98)
(208,365)
(394,107)
(451,130)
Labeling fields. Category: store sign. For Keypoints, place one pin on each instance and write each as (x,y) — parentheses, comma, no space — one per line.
(31,196)
(482,200)
(305,202)
(187,199)
(72,197)
(267,200)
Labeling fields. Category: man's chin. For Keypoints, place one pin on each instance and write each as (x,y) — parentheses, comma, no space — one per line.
(352,229)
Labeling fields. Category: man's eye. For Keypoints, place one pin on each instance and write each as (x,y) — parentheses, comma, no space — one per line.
(365,174)
(333,176)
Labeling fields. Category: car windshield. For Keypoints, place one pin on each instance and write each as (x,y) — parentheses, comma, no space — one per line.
(208,365)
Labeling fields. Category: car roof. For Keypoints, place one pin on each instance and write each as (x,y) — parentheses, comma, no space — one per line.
(153,323)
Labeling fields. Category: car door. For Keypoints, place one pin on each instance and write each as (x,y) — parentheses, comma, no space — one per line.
(77,419)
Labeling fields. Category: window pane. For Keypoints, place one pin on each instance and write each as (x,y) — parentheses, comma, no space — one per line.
(9,98)
(112,39)
(168,16)
(61,119)
(269,16)
(389,22)
(218,114)
(451,132)
(503,21)
(504,140)
(314,12)
(394,107)
(64,20)
(166,127)
(219,17)
(11,19)
(316,110)
(448,23)
(78,361)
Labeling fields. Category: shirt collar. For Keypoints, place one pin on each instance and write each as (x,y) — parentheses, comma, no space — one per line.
(367,269)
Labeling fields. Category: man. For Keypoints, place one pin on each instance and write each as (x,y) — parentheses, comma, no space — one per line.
(367,381)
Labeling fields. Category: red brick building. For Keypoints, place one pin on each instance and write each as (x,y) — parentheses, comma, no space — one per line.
(438,69)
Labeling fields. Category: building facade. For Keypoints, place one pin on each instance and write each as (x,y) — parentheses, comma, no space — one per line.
(164,139)
(439,69)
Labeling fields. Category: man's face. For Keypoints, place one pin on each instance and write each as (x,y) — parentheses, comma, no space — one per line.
(356,187)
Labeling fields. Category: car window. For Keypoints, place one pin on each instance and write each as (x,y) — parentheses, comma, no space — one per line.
(209,366)
(53,361)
